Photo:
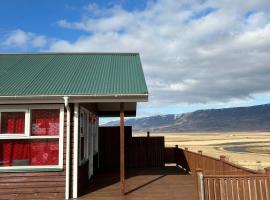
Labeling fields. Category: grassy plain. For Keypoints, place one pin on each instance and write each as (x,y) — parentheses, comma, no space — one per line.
(248,149)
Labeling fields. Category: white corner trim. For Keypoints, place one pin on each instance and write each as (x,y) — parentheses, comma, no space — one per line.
(67,149)
(75,150)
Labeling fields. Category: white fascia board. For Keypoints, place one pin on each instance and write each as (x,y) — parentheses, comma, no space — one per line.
(74,99)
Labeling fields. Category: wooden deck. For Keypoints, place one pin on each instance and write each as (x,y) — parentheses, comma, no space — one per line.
(147,184)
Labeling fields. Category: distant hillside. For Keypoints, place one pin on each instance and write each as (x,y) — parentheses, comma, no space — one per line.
(254,118)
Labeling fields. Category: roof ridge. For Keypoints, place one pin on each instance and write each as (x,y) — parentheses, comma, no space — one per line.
(69,53)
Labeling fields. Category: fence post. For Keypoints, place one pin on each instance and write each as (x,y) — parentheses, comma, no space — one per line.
(200,160)
(200,186)
(186,159)
(267,171)
(176,155)
(148,134)
(222,160)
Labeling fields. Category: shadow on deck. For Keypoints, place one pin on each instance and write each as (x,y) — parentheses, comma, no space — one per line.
(143,184)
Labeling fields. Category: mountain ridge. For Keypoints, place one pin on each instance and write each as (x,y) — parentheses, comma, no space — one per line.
(252,118)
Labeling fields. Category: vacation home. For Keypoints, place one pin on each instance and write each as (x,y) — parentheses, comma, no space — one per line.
(51,145)
(50,104)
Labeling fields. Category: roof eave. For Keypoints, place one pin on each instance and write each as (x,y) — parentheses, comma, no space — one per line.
(74,98)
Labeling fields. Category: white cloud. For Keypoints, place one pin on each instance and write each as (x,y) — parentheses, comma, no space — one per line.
(20,38)
(192,51)
(195,53)
(177,86)
(39,41)
(118,20)
(17,38)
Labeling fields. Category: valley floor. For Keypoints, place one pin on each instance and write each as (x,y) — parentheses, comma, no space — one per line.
(251,150)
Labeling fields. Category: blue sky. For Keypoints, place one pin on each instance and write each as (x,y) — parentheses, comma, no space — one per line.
(41,16)
(196,54)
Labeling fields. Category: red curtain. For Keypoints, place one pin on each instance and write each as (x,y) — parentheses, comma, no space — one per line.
(44,153)
(29,152)
(14,151)
(45,122)
(12,122)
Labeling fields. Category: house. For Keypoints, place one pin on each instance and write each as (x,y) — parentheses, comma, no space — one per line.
(50,105)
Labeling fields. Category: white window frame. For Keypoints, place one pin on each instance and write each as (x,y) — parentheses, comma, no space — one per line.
(27,135)
(26,117)
(86,137)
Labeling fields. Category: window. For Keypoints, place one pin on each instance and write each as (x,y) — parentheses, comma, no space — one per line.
(32,138)
(44,122)
(84,128)
(34,152)
(12,122)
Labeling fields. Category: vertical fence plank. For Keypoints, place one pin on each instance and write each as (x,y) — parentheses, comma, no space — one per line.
(217,186)
(267,188)
(212,189)
(261,189)
(249,189)
(267,183)
(226,189)
(229,189)
(222,189)
(206,188)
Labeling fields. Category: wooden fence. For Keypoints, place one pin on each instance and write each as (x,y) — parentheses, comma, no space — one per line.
(219,179)
(140,152)
(190,161)
(236,187)
(143,152)
(109,143)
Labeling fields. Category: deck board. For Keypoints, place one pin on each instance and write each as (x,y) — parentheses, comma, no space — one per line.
(145,184)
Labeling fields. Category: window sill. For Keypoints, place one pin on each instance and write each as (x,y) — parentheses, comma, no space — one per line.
(16,137)
(31,169)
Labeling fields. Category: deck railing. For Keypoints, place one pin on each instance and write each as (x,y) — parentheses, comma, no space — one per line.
(219,179)
(190,161)
(236,187)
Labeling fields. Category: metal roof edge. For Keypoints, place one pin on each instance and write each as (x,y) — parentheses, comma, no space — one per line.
(77,95)
(73,99)
(69,53)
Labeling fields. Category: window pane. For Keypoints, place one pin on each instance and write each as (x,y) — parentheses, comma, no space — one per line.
(45,122)
(29,152)
(12,122)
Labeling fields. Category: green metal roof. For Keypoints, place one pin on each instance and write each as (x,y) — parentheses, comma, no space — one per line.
(38,74)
